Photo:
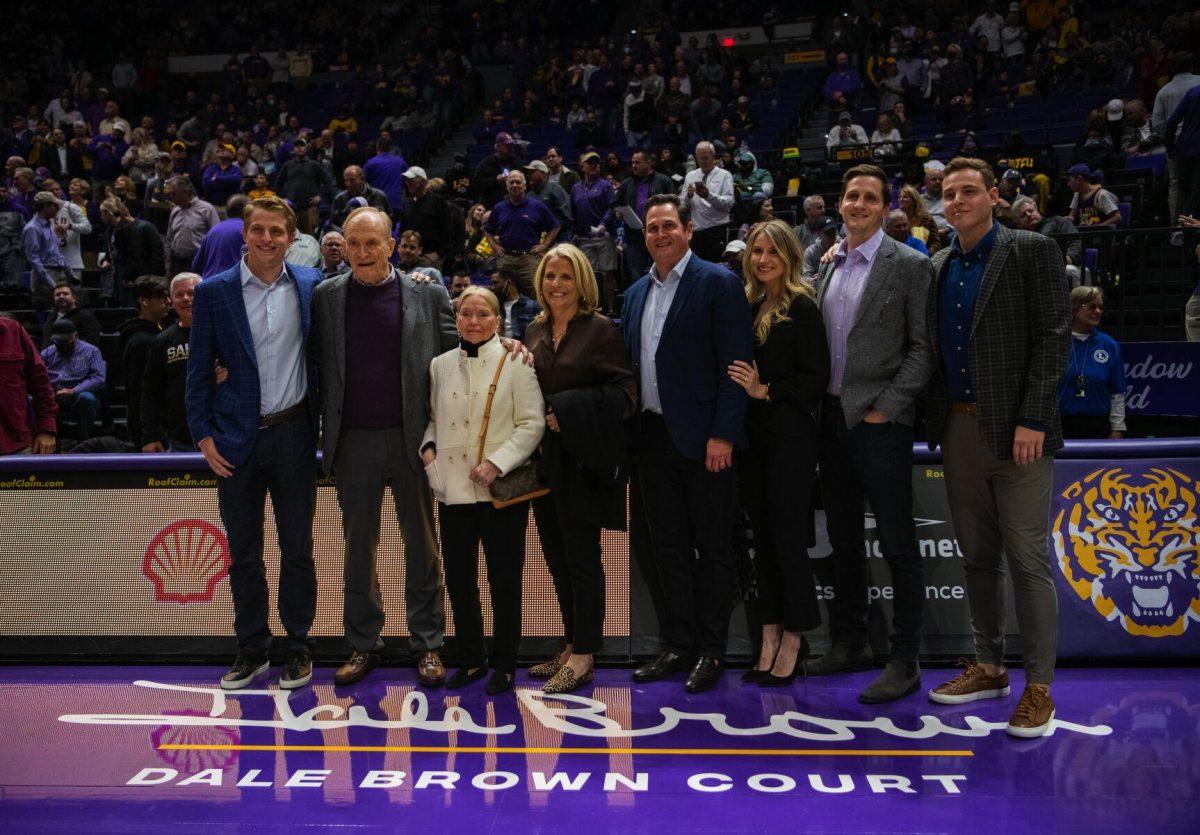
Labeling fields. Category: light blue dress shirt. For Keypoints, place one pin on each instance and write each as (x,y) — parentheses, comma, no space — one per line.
(654,317)
(274,314)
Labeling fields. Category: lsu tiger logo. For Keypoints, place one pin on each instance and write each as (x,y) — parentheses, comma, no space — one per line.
(1127,542)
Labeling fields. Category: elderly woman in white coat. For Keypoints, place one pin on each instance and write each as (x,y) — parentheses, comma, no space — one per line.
(460,379)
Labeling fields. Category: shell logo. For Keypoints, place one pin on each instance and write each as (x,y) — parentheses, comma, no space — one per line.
(185,561)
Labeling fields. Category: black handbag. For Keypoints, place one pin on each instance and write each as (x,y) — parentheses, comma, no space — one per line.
(521,484)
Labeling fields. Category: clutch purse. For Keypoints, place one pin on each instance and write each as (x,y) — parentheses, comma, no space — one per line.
(520,484)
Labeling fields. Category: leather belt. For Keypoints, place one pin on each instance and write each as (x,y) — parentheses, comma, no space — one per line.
(276,418)
(965,408)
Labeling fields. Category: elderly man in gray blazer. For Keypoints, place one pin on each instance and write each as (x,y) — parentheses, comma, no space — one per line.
(375,331)
(872,298)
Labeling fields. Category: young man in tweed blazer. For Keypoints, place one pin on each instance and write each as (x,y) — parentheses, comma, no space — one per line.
(997,316)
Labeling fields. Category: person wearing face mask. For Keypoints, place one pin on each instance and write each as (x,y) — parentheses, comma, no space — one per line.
(163,413)
(785,382)
(481,426)
(375,331)
(76,372)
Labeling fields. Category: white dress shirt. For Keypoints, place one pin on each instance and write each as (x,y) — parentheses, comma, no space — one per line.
(712,210)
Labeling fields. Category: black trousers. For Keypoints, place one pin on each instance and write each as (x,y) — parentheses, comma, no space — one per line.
(502,533)
(689,512)
(284,464)
(1086,426)
(709,243)
(776,477)
(572,549)
(872,460)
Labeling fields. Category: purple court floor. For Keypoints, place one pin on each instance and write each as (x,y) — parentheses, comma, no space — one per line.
(161,749)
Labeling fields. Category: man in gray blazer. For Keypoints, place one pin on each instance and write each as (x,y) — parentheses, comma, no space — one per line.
(374,333)
(872,298)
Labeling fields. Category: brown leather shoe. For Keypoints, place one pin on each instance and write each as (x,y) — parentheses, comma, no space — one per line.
(1034,713)
(356,669)
(430,670)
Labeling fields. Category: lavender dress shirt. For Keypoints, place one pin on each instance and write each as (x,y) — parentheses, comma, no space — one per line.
(850,270)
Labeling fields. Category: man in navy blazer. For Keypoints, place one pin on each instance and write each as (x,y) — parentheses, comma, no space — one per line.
(258,433)
(684,323)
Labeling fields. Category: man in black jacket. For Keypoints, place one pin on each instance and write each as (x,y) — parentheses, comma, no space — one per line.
(634,192)
(136,337)
(490,178)
(137,248)
(427,212)
(163,414)
(66,306)
(305,182)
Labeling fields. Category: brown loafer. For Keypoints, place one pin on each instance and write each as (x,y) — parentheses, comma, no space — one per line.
(356,669)
(430,671)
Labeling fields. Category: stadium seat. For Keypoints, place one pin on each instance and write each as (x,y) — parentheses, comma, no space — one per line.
(1155,162)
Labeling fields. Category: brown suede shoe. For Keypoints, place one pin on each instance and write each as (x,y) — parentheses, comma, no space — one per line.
(356,669)
(971,685)
(430,670)
(1034,713)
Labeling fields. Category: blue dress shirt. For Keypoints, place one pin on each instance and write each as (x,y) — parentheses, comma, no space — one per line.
(956,303)
(273,311)
(654,317)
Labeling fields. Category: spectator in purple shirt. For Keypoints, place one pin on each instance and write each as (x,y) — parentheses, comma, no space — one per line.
(843,84)
(385,170)
(106,152)
(76,372)
(222,179)
(222,245)
(40,242)
(520,228)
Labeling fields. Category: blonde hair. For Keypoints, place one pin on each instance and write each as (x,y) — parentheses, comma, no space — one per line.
(919,216)
(585,280)
(793,283)
(489,298)
(115,207)
(1083,294)
(273,204)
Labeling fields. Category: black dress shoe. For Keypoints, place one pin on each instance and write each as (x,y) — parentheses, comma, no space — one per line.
(753,676)
(500,682)
(661,667)
(704,675)
(462,677)
(842,658)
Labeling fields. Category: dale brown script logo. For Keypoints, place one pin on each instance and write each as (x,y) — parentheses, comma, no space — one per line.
(185,561)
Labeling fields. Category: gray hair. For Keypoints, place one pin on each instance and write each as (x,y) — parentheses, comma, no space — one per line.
(331,232)
(706,144)
(181,182)
(894,216)
(183,276)
(1018,205)
(812,200)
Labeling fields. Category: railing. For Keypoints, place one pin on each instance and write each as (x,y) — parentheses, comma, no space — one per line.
(1147,276)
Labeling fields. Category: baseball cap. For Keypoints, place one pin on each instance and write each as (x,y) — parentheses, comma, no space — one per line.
(589,157)
(1081,169)
(224,146)
(828,225)
(415,171)
(935,165)
(356,202)
(1011,174)
(791,153)
(503,138)
(178,144)
(735,246)
(44,197)
(1116,110)
(844,116)
(537,165)
(63,327)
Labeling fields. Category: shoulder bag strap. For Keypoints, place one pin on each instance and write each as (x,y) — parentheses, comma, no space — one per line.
(487,409)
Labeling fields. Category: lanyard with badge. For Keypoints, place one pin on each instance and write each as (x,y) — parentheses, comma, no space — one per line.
(1077,362)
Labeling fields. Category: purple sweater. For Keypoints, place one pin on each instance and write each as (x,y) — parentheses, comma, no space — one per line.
(373,399)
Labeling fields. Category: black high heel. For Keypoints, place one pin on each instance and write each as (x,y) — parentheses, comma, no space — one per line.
(753,676)
(800,665)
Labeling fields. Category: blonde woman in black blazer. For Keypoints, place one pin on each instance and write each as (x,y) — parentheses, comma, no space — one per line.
(785,383)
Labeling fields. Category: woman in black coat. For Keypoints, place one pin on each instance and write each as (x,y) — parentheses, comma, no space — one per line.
(587,382)
(785,383)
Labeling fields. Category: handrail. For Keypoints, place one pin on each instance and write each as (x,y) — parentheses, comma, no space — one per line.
(192,461)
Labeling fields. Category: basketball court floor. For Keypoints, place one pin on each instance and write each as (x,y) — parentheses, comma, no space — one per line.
(162,749)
